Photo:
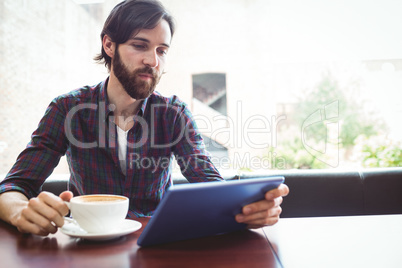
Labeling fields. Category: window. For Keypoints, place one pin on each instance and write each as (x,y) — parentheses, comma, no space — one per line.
(290,84)
(209,106)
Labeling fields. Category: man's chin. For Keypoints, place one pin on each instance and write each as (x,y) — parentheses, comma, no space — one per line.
(139,96)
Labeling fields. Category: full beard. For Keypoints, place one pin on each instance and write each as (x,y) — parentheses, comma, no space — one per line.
(135,87)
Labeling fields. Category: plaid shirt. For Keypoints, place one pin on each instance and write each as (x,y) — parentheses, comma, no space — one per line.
(80,125)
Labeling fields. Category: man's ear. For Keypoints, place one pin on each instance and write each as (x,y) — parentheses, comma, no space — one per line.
(108,45)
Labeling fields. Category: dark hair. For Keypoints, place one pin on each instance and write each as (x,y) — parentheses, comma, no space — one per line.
(128,18)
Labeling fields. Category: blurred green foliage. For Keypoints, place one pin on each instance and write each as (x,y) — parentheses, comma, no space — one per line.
(354,123)
(352,117)
(379,151)
(291,154)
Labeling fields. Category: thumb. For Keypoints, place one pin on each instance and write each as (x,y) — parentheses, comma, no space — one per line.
(66,195)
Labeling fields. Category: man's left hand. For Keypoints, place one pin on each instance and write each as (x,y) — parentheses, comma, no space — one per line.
(264,212)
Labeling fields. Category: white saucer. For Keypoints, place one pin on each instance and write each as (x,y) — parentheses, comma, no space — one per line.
(71,228)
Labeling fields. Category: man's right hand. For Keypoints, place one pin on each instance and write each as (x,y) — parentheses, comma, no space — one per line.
(40,215)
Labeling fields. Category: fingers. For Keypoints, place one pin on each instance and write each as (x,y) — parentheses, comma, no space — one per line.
(32,222)
(260,210)
(262,205)
(264,218)
(66,195)
(50,207)
(282,190)
(43,214)
(264,212)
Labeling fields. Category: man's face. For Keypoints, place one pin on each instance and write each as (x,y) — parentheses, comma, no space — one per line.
(138,64)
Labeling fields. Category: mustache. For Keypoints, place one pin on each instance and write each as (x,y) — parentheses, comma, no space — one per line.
(147,70)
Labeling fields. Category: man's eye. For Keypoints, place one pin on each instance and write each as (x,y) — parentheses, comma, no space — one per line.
(162,51)
(139,46)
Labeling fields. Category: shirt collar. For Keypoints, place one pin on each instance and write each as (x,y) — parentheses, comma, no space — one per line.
(103,97)
(143,106)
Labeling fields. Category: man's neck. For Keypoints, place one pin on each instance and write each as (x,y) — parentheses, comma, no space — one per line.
(125,106)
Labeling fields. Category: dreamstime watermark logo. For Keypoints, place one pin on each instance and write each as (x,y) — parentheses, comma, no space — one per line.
(328,150)
(236,131)
(255,132)
(237,162)
(232,133)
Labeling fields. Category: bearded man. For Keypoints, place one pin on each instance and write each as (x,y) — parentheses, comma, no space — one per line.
(119,136)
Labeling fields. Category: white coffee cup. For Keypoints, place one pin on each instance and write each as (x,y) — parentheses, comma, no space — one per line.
(98,213)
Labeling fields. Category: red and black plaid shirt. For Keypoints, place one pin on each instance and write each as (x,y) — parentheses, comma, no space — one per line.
(80,125)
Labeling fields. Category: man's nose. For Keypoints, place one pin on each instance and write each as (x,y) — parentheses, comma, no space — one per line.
(151,59)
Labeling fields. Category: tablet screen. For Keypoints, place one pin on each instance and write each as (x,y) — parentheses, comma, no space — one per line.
(201,209)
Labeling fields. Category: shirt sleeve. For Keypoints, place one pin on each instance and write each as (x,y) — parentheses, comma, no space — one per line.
(190,152)
(42,154)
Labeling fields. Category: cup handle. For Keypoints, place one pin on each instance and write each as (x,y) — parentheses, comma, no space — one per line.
(68,204)
(70,220)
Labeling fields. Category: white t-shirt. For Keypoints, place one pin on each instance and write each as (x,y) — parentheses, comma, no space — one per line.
(122,142)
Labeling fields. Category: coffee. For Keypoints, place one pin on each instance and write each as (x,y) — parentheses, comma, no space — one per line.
(99,198)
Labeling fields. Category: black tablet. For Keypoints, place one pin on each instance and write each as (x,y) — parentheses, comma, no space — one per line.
(202,209)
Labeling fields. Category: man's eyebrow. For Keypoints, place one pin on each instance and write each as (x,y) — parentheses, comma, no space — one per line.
(147,41)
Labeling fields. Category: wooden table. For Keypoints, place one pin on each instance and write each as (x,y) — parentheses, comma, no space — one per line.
(243,249)
(324,242)
(356,241)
